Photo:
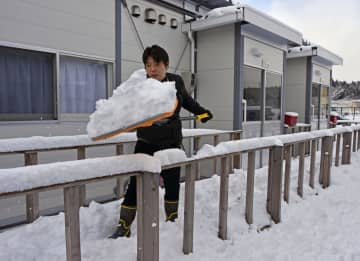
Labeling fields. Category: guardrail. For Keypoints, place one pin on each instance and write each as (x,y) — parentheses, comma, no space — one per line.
(31,146)
(148,229)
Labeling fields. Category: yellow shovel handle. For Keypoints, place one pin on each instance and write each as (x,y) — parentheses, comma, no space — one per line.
(202,116)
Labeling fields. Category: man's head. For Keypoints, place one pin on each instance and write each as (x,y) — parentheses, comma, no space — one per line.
(156,62)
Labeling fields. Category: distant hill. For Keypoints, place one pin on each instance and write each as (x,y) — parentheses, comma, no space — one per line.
(346,91)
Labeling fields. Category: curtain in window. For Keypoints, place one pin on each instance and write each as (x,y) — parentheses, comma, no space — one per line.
(26,85)
(82,83)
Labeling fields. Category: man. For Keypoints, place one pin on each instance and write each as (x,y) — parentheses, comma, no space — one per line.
(162,135)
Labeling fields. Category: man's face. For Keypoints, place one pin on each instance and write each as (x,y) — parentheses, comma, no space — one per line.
(156,70)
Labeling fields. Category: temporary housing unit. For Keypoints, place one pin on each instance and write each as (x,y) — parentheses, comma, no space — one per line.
(308,83)
(240,68)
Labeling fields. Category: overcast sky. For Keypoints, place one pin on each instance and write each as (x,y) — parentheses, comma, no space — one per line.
(334,25)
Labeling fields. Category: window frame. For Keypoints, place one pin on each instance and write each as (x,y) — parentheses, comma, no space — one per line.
(58,116)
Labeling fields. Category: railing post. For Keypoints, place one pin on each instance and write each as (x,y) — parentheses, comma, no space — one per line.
(346,153)
(250,187)
(354,140)
(287,155)
(81,154)
(224,194)
(32,199)
(72,223)
(337,150)
(215,142)
(148,217)
(300,189)
(119,181)
(196,148)
(325,161)
(312,163)
(275,184)
(358,141)
(237,158)
(189,209)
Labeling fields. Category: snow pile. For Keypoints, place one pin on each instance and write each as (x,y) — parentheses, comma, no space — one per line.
(137,99)
(292,114)
(170,156)
(23,178)
(300,49)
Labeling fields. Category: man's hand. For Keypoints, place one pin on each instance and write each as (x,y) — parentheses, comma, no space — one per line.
(209,116)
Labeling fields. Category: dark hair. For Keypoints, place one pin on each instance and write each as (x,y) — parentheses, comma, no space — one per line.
(157,53)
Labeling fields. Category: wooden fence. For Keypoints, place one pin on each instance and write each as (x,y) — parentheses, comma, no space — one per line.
(32,146)
(148,229)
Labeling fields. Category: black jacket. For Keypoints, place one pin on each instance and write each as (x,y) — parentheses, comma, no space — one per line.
(168,132)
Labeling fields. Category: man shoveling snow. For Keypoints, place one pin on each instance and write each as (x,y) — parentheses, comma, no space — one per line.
(164,134)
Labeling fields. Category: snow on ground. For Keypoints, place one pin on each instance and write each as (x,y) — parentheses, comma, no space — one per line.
(137,99)
(325,225)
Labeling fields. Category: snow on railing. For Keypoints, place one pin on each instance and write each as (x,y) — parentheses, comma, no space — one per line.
(40,179)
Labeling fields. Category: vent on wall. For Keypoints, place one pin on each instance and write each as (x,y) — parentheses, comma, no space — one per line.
(150,15)
(135,10)
(174,23)
(162,19)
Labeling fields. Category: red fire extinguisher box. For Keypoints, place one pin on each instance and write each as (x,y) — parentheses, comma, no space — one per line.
(291,118)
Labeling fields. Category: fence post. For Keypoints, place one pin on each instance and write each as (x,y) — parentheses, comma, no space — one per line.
(121,180)
(325,161)
(312,164)
(250,187)
(237,158)
(32,199)
(287,155)
(337,150)
(346,153)
(148,216)
(224,194)
(215,142)
(274,186)
(196,148)
(72,223)
(300,189)
(354,140)
(81,154)
(189,209)
(358,141)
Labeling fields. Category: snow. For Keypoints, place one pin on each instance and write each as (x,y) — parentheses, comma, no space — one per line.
(292,114)
(134,101)
(23,178)
(170,156)
(324,225)
(221,11)
(42,143)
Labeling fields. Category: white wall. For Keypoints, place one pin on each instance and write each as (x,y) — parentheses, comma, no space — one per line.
(295,93)
(215,67)
(81,26)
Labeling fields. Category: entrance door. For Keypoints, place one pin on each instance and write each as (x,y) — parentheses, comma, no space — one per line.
(320,105)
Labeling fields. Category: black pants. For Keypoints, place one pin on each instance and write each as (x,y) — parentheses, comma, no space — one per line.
(171,177)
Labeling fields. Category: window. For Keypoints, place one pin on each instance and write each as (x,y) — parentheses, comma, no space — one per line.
(324,102)
(253,93)
(27,89)
(273,96)
(82,83)
(315,93)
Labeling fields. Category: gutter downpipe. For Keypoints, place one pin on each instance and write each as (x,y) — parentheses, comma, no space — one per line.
(192,71)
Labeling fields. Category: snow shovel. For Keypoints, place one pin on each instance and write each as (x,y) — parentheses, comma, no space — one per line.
(144,123)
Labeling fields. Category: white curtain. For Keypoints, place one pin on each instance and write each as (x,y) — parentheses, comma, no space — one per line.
(82,83)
